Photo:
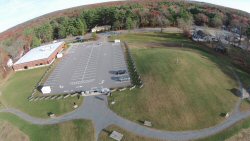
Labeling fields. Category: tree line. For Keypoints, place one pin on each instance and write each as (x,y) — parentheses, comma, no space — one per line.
(129,16)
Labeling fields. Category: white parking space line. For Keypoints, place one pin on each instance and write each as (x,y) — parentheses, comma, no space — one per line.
(91,70)
(88,62)
(119,63)
(92,65)
(76,69)
(81,82)
(77,79)
(87,74)
(89,77)
(79,86)
(78,73)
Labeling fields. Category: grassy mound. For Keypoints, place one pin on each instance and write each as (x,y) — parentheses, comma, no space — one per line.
(184,89)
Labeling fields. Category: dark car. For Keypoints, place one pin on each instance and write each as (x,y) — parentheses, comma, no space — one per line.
(120,72)
(79,39)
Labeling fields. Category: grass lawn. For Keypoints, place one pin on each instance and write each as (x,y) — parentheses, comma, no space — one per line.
(19,87)
(77,130)
(127,136)
(151,37)
(9,133)
(245,105)
(190,94)
(234,130)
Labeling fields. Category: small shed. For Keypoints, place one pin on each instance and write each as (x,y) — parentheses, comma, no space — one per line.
(147,123)
(59,55)
(75,106)
(52,115)
(46,90)
(116,136)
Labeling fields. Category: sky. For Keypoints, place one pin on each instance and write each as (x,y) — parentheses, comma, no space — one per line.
(236,4)
(13,12)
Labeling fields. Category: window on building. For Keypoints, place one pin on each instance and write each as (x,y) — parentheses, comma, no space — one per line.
(41,63)
(25,67)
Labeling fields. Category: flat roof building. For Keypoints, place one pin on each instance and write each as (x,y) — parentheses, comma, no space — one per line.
(39,56)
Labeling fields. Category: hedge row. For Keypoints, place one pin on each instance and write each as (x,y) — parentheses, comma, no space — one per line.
(134,75)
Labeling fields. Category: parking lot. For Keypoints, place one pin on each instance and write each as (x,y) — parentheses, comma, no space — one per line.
(87,67)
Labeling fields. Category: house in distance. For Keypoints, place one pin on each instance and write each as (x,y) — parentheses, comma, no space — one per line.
(101,28)
(39,56)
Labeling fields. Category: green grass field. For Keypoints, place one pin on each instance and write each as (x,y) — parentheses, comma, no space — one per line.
(19,87)
(78,130)
(190,93)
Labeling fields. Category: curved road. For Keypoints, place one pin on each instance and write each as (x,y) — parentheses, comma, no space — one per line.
(95,108)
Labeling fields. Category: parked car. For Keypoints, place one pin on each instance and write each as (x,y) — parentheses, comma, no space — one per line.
(79,39)
(120,72)
(124,78)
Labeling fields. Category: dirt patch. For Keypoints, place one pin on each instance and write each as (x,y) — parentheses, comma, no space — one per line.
(11,133)
(244,135)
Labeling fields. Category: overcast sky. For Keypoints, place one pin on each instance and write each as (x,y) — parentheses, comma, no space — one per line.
(13,12)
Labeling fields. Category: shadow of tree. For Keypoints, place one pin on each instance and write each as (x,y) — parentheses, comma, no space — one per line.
(235,92)
(106,131)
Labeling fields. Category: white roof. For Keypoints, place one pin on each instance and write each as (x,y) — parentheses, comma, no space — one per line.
(41,52)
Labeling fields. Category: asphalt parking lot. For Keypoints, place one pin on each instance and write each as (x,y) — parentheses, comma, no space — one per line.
(88,66)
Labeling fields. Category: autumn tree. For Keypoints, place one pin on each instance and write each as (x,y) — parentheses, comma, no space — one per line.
(28,34)
(201,19)
(216,21)
(185,22)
